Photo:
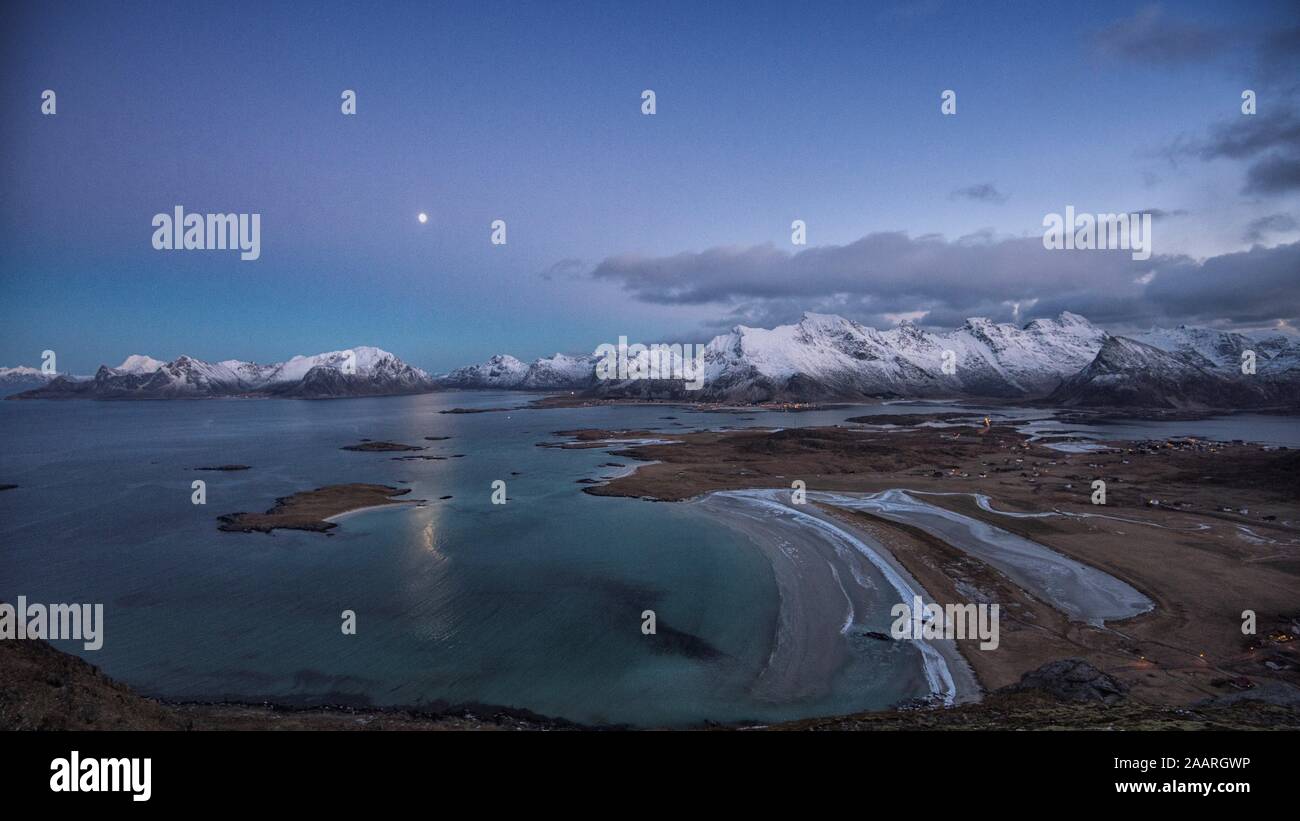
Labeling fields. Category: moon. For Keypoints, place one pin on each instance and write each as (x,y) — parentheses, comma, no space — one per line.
(422,217)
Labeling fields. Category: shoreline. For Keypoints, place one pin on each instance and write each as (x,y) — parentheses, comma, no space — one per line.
(1080,591)
(393,505)
(1230,505)
(810,645)
(315,510)
(83,698)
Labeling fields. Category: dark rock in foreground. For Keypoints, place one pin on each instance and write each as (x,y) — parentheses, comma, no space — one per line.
(1072,679)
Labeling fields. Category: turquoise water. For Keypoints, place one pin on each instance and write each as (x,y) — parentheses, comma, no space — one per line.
(535,604)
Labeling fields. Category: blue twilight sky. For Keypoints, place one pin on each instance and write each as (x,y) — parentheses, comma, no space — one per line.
(663,228)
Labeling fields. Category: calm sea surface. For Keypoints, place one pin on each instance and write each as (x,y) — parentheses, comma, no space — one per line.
(534,604)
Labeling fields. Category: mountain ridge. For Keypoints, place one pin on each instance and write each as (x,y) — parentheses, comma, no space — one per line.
(359,371)
(826,357)
(1063,360)
(1131,373)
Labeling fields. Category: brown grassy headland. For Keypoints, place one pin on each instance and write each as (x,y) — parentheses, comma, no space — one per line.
(1206,530)
(312,509)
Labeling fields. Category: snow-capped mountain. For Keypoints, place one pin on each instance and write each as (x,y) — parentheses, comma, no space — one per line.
(501,371)
(1275,353)
(367,372)
(1129,373)
(22,378)
(560,372)
(1065,360)
(138,363)
(360,371)
(1280,352)
(504,372)
(828,357)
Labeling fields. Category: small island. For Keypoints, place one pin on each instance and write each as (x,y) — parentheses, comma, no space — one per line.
(312,509)
(367,446)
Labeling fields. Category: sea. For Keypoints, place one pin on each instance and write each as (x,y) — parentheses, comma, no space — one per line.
(538,604)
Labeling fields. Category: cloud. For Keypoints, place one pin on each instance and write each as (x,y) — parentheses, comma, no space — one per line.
(1269,142)
(1009,279)
(1249,135)
(1151,37)
(983,192)
(1271,224)
(567,268)
(1246,287)
(1277,173)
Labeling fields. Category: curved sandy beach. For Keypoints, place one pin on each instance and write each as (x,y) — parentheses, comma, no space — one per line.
(824,570)
(819,563)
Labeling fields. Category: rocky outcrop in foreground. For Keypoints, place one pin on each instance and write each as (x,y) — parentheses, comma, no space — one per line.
(1072,680)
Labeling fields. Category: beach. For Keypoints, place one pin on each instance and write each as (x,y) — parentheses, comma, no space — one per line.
(829,577)
(1152,587)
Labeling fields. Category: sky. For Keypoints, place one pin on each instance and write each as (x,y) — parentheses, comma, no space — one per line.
(667,227)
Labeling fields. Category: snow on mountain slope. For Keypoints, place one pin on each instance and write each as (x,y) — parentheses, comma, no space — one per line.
(504,372)
(501,371)
(138,363)
(361,371)
(1209,347)
(829,357)
(22,378)
(1277,354)
(24,372)
(1032,359)
(1129,373)
(560,372)
(825,356)
(822,357)
(365,359)
(1283,353)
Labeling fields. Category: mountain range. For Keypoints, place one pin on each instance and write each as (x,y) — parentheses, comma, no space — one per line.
(1132,373)
(559,372)
(1064,361)
(22,378)
(361,371)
